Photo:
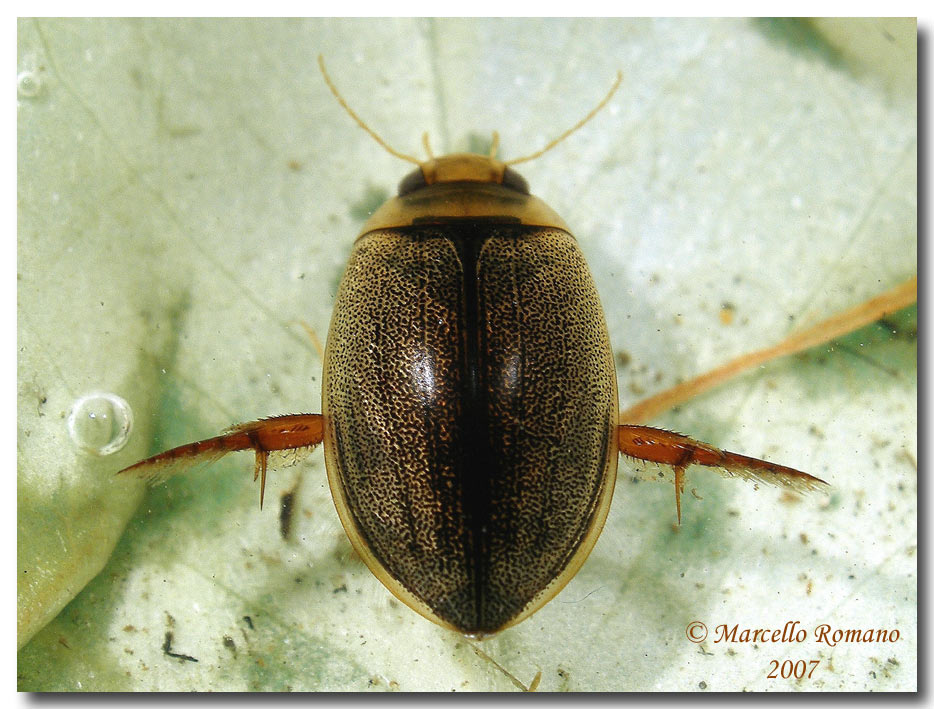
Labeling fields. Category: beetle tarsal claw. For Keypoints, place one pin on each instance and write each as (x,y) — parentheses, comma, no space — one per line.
(259,471)
(679,488)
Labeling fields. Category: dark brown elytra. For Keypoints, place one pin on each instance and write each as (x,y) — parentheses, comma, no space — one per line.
(470,420)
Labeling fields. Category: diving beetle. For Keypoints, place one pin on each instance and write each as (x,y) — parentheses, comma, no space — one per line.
(469,409)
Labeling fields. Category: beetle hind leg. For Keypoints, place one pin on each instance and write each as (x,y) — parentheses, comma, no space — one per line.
(292,433)
(677,452)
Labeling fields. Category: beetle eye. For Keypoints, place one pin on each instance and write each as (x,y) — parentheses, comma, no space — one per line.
(514,180)
(413,181)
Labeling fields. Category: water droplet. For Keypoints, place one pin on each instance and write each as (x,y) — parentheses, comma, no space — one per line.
(100,423)
(28,84)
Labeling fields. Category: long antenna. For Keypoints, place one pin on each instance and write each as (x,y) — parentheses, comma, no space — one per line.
(576,126)
(358,120)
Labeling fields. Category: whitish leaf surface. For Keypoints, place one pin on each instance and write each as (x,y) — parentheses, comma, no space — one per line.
(188,195)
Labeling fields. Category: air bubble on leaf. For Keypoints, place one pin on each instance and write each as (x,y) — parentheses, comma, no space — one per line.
(100,423)
(28,84)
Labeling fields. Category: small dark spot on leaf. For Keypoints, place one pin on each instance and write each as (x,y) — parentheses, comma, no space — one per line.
(230,644)
(167,648)
(286,509)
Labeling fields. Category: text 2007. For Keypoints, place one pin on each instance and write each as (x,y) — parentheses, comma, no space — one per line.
(797,669)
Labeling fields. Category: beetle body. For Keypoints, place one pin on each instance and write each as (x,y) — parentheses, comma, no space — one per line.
(470,404)
(470,419)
